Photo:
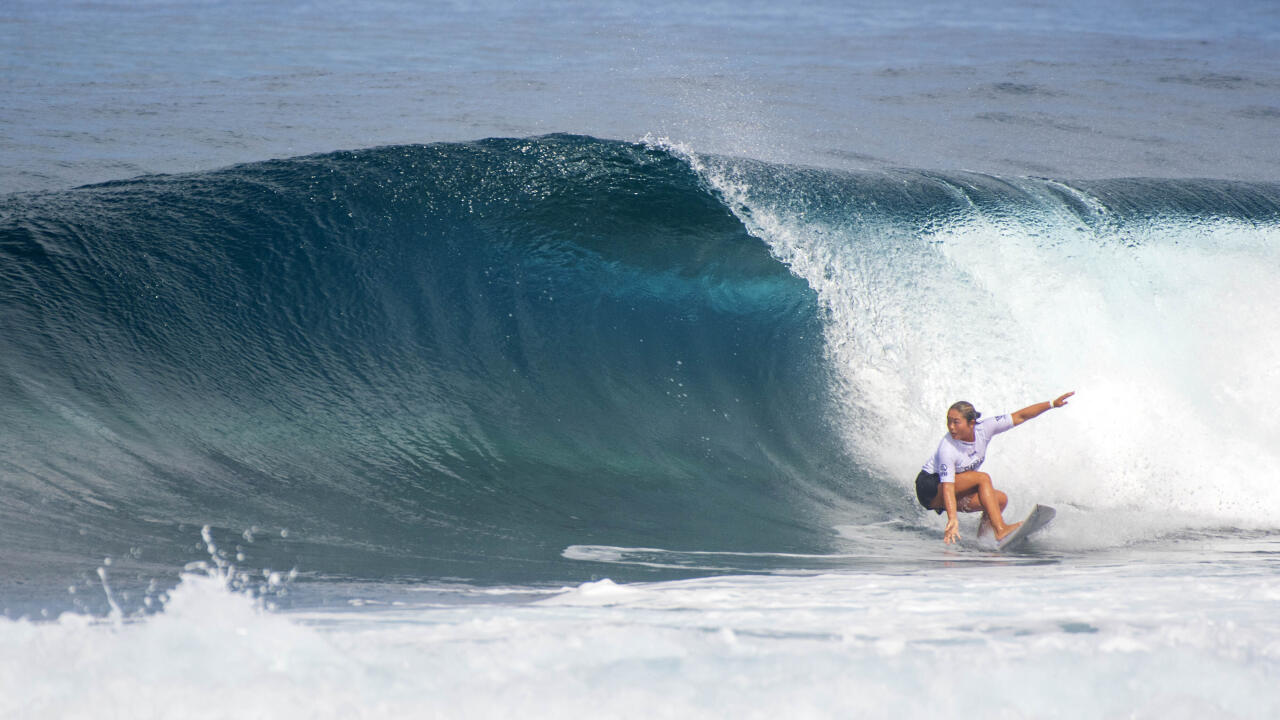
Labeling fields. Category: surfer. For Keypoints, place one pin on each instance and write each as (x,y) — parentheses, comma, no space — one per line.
(950,481)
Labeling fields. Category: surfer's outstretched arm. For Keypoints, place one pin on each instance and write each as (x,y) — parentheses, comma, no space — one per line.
(1039,409)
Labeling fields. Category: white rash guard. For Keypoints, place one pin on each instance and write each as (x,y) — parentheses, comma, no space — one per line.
(957,456)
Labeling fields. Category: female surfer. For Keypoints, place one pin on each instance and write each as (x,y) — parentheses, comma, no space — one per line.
(950,479)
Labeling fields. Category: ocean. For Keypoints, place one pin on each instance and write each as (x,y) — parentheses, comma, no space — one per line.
(558,360)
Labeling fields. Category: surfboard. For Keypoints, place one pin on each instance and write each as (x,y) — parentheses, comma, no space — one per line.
(1040,516)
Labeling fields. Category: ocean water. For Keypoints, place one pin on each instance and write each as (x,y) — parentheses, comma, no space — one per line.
(567,360)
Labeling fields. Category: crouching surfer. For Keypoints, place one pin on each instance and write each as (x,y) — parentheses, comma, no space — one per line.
(950,480)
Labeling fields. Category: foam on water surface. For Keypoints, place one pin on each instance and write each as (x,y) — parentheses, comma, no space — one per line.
(1165,639)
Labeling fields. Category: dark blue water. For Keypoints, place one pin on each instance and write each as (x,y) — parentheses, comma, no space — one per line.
(109,90)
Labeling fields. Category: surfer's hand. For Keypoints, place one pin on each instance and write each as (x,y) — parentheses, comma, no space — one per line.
(1062,400)
(952,533)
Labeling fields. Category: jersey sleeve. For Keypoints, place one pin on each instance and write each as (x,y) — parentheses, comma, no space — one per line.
(944,462)
(1001,423)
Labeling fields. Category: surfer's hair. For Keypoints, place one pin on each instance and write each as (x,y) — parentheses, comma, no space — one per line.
(966,411)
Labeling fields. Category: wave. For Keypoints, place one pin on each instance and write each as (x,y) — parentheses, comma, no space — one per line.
(457,360)
(447,359)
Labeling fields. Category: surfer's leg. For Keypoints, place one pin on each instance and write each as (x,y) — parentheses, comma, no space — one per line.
(971,503)
(974,492)
(984,524)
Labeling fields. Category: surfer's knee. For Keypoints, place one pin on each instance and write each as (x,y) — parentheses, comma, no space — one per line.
(973,478)
(1002,499)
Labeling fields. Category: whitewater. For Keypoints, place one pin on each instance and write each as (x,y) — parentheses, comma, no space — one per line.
(578,362)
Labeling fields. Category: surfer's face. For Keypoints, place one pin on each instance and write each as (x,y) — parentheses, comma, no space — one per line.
(959,428)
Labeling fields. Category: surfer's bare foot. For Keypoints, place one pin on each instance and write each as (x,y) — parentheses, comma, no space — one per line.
(1007,529)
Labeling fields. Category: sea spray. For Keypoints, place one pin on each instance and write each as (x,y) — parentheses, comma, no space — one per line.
(1145,296)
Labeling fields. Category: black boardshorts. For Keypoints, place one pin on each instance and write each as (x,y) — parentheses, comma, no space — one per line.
(927,489)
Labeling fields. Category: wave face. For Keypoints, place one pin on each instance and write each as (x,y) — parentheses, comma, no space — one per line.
(448,360)
(458,360)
